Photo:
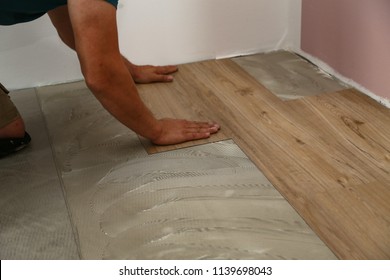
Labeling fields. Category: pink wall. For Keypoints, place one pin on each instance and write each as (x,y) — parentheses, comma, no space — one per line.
(353,37)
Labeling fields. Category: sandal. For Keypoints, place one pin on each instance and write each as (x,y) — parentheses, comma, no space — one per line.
(12,145)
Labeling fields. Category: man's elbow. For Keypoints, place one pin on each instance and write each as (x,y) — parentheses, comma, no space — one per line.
(101,75)
(97,81)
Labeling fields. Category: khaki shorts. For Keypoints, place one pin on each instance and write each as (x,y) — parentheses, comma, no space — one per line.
(8,111)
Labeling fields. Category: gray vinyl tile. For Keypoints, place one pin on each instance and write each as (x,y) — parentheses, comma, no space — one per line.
(288,75)
(204,202)
(34,221)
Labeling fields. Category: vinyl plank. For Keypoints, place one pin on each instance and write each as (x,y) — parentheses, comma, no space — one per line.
(363,227)
(355,132)
(356,135)
(161,99)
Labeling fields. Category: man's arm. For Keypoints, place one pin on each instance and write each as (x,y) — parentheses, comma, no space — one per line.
(94,37)
(141,74)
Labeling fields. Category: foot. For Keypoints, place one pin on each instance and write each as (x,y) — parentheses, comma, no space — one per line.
(13,137)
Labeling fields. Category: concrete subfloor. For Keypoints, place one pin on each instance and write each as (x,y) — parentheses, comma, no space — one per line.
(34,219)
(85,188)
(288,75)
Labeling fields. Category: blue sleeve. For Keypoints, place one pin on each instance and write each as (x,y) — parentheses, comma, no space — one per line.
(113,2)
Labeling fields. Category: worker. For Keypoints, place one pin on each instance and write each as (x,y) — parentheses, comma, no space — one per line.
(89,27)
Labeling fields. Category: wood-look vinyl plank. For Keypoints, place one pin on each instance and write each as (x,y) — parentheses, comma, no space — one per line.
(362,225)
(348,225)
(355,129)
(180,100)
(346,139)
(315,150)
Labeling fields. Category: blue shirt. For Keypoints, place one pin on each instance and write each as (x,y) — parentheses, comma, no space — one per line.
(18,11)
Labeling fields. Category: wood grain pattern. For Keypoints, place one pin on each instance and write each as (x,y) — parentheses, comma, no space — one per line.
(182,100)
(328,155)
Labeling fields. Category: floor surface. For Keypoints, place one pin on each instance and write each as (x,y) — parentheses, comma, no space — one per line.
(86,188)
(34,219)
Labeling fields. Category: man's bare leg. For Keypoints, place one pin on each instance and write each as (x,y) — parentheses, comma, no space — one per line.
(12,130)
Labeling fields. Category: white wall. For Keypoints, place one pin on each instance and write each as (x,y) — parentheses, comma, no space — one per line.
(156,32)
(32,55)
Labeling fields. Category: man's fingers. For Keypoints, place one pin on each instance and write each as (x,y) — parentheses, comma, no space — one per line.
(154,74)
(164,70)
(163,73)
(200,130)
(210,126)
(178,131)
(164,78)
(198,136)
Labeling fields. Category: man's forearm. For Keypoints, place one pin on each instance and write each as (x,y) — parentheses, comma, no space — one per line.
(114,88)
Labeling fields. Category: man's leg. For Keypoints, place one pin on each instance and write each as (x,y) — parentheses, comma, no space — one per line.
(12,131)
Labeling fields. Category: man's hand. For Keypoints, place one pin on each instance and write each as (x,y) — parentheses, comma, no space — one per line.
(177,131)
(152,74)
